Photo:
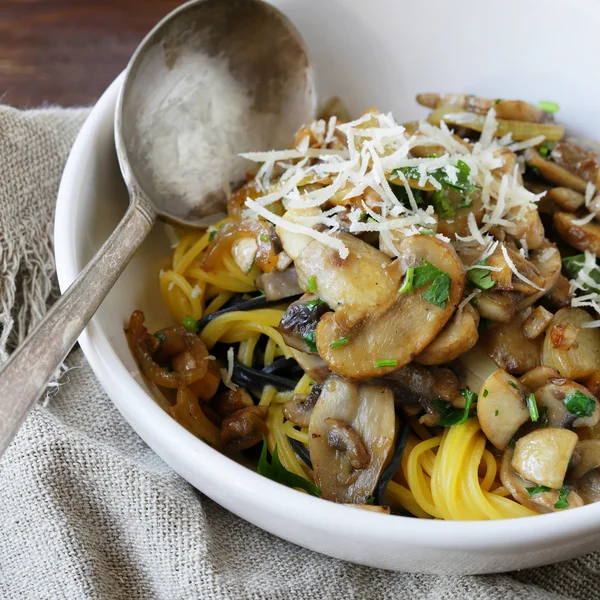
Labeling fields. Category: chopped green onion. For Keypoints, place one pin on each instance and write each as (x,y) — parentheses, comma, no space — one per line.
(485,393)
(387,362)
(579,404)
(563,494)
(315,302)
(370,500)
(190,324)
(532,407)
(211,235)
(545,149)
(312,284)
(341,342)
(498,100)
(310,337)
(538,489)
(514,385)
(407,286)
(264,237)
(547,106)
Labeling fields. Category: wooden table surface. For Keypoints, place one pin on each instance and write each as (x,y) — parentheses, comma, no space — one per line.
(67,51)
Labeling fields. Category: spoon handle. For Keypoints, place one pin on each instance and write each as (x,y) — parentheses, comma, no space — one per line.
(27,372)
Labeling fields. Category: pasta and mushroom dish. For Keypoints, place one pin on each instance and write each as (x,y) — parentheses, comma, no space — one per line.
(399,317)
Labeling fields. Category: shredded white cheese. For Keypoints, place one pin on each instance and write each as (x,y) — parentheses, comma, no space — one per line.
(513,268)
(590,190)
(584,220)
(227,373)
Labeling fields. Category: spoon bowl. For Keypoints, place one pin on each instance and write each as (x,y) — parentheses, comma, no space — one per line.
(213,79)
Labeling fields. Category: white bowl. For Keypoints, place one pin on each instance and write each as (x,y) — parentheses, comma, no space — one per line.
(370,53)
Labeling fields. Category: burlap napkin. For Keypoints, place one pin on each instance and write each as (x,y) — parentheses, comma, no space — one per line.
(87,510)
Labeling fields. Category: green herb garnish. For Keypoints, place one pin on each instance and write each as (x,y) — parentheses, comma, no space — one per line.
(547,106)
(496,412)
(310,338)
(442,204)
(532,407)
(407,286)
(312,284)
(277,472)
(211,235)
(543,420)
(538,489)
(534,170)
(451,416)
(161,336)
(484,325)
(573,264)
(386,362)
(402,195)
(579,404)
(563,494)
(463,177)
(190,324)
(465,203)
(264,237)
(439,290)
(370,500)
(315,302)
(341,342)
(498,100)
(514,385)
(481,278)
(545,149)
(485,393)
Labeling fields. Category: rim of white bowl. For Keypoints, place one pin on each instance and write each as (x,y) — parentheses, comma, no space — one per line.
(275,499)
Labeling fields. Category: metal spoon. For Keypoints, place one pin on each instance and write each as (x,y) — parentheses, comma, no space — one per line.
(211,80)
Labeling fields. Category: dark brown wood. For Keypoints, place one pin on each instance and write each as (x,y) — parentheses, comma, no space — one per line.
(68,51)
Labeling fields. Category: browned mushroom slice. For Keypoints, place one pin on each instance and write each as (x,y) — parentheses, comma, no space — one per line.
(501,408)
(244,428)
(536,323)
(187,412)
(299,323)
(546,259)
(544,501)
(355,286)
(566,198)
(559,396)
(403,328)
(299,409)
(543,455)
(312,364)
(588,452)
(560,295)
(506,279)
(583,357)
(576,159)
(229,402)
(538,377)
(474,367)
(529,227)
(555,173)
(497,306)
(279,284)
(520,130)
(348,420)
(509,348)
(457,337)
(583,237)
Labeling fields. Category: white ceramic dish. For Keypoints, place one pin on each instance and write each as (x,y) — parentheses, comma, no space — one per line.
(380,52)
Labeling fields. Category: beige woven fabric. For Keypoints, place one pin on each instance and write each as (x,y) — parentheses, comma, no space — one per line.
(88,511)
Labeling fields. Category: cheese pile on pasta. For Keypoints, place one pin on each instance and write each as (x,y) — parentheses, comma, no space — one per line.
(403,318)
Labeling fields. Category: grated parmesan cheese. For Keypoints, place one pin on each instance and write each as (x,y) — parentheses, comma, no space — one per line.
(590,190)
(227,373)
(584,220)
(513,268)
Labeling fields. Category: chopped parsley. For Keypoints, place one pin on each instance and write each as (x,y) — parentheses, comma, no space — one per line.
(315,302)
(538,489)
(370,500)
(545,149)
(277,472)
(264,237)
(190,324)
(341,342)
(407,286)
(547,106)
(481,278)
(450,416)
(386,362)
(439,290)
(496,412)
(484,325)
(485,393)
(161,336)
(465,203)
(310,337)
(563,494)
(402,195)
(442,204)
(312,284)
(534,170)
(532,408)
(463,177)
(211,235)
(579,404)
(543,420)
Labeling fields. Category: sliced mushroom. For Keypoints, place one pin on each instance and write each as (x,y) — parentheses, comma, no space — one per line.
(355,286)
(475,367)
(509,348)
(528,227)
(543,455)
(244,428)
(497,306)
(576,159)
(583,357)
(279,284)
(506,279)
(368,410)
(536,323)
(552,396)
(299,323)
(401,330)
(560,295)
(589,458)
(312,364)
(343,437)
(231,401)
(299,409)
(501,408)
(457,337)
(566,198)
(583,237)
(554,173)
(538,377)
(543,502)
(294,243)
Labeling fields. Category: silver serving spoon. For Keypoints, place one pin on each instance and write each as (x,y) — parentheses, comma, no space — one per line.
(211,80)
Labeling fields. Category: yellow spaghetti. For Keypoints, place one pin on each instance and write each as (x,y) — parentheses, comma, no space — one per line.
(370,312)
